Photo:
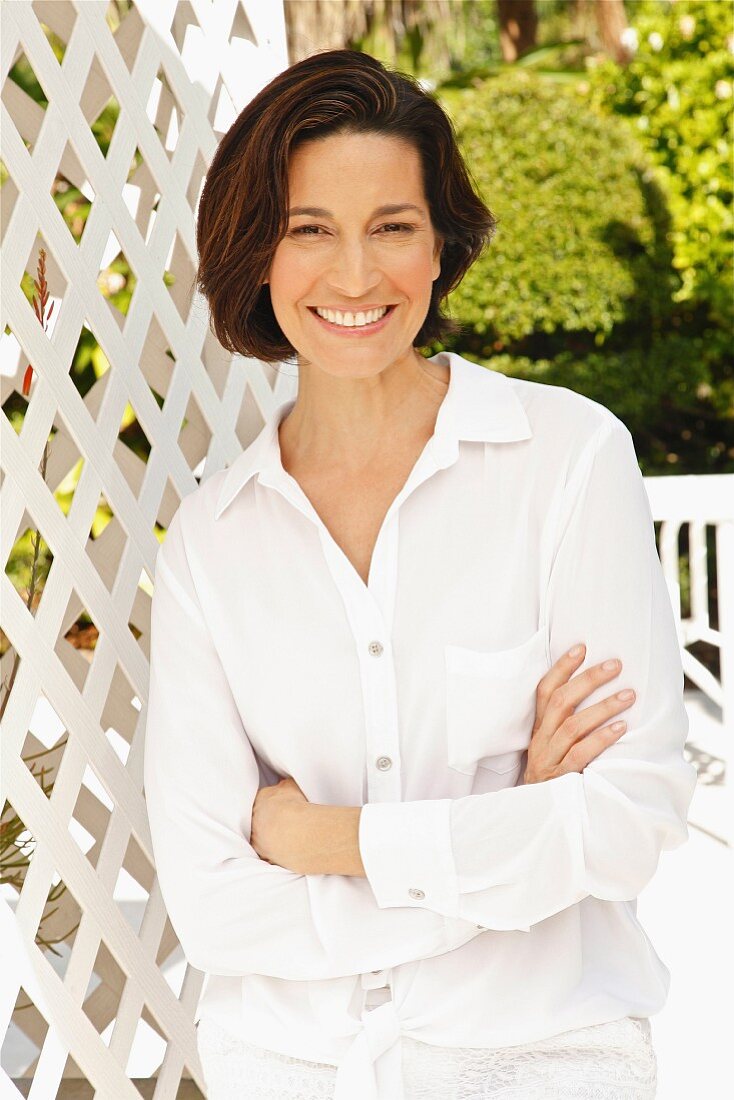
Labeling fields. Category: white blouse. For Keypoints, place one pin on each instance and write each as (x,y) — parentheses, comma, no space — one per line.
(498,912)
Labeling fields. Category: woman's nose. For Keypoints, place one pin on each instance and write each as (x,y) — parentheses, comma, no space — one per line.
(353,265)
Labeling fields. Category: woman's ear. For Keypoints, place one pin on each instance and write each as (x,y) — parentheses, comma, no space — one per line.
(437,258)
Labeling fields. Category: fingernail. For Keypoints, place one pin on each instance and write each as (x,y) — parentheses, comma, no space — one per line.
(576,651)
(610,664)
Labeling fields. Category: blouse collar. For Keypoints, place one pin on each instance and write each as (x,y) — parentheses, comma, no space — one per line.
(469,411)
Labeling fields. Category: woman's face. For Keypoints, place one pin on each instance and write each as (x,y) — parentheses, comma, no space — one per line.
(348,256)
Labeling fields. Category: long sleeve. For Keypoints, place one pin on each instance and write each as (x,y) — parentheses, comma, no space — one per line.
(234,913)
(526,852)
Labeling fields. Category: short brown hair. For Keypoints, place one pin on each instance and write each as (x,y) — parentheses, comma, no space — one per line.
(242,213)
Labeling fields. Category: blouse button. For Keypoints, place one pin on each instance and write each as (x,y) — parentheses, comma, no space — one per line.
(415,893)
(384,763)
(483,927)
(375,648)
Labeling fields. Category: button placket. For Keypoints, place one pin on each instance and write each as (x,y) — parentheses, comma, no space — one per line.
(369,611)
(383,777)
(382,752)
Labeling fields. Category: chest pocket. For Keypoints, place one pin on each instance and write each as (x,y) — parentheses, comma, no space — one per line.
(490,704)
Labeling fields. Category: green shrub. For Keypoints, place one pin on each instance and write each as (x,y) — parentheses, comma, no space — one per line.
(580,248)
(653,390)
(676,93)
(578,286)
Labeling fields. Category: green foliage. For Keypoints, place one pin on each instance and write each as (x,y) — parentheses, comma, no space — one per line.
(426,45)
(587,282)
(580,244)
(661,392)
(676,94)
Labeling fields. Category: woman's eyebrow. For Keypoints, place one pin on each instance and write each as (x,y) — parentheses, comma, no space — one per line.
(320,212)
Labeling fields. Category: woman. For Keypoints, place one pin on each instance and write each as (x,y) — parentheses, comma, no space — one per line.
(403,852)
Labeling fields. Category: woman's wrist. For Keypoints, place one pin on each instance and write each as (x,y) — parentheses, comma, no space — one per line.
(330,839)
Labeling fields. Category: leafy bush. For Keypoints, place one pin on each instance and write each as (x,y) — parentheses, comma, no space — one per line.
(677,94)
(580,245)
(579,285)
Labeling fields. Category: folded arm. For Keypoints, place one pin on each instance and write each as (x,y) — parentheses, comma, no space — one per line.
(233,912)
(524,853)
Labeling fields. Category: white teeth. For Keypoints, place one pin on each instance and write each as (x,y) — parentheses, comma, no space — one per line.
(352,320)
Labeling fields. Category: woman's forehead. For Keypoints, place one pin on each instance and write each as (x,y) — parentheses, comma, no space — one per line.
(319,171)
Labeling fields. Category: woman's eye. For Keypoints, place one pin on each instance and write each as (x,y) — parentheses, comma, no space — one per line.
(303,230)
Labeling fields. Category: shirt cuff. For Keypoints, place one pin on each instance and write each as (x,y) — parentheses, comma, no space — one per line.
(407,855)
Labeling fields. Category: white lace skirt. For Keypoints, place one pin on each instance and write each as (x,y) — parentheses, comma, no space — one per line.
(611,1061)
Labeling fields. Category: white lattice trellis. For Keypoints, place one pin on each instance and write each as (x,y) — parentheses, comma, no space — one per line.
(180,73)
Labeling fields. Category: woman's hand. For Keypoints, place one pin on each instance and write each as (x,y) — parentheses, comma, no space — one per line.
(277,824)
(562,739)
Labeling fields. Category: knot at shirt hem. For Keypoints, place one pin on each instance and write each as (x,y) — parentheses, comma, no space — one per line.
(372,1067)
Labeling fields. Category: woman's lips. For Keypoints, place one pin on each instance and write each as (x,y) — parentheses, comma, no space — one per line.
(354,331)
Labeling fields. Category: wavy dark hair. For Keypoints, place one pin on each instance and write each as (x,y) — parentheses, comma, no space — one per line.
(242,214)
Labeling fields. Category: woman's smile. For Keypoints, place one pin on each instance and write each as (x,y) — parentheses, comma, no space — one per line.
(353,331)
